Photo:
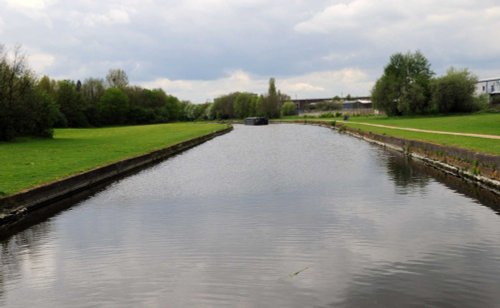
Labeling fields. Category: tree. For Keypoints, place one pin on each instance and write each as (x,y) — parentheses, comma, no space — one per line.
(24,108)
(271,102)
(404,88)
(243,105)
(92,89)
(172,106)
(454,92)
(259,106)
(48,86)
(113,107)
(117,78)
(223,107)
(71,104)
(288,109)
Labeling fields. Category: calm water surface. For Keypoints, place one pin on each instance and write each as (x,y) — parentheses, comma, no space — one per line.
(275,216)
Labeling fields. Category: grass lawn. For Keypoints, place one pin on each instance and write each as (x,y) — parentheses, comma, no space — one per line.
(490,146)
(485,123)
(27,162)
(481,123)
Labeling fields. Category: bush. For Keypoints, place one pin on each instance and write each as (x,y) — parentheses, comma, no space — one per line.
(327,115)
(288,109)
(454,92)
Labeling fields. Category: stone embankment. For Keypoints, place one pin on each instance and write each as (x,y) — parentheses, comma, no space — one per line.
(19,207)
(478,168)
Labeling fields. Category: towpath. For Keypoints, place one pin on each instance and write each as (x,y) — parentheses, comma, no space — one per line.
(426,130)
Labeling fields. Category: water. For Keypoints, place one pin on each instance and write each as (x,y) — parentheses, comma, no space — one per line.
(275,216)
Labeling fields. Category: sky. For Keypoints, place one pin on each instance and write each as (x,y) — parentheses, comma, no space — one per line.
(200,49)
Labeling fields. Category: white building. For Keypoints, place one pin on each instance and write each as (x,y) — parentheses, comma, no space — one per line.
(489,86)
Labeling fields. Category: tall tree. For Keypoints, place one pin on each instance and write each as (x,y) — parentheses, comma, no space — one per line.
(404,88)
(271,103)
(24,108)
(117,78)
(92,89)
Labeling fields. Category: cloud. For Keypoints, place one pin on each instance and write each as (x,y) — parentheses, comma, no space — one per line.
(30,4)
(222,45)
(317,84)
(113,16)
(40,61)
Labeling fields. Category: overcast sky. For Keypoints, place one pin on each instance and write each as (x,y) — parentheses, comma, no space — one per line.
(199,49)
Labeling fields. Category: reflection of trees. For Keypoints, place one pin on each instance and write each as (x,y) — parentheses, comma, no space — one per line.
(410,175)
(406,175)
(461,186)
(28,242)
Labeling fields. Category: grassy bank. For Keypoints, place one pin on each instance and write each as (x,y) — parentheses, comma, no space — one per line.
(486,123)
(488,146)
(26,163)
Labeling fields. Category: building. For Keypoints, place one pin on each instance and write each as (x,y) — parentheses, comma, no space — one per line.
(359,106)
(489,86)
(302,104)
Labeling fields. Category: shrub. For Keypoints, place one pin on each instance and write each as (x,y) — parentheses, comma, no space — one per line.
(288,109)
(454,92)
(327,115)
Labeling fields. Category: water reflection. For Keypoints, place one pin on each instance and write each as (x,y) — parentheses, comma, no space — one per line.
(24,248)
(405,176)
(277,216)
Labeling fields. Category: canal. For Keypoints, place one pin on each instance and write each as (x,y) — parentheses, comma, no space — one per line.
(272,216)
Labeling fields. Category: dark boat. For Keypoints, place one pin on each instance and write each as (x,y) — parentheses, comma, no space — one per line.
(256,121)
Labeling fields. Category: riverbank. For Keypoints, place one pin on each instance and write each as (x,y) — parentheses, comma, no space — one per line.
(27,162)
(460,131)
(475,167)
(19,207)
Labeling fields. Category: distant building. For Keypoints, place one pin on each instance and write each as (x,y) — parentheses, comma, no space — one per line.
(489,86)
(303,104)
(359,106)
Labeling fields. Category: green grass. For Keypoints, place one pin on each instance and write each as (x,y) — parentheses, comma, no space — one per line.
(480,123)
(26,163)
(486,123)
(489,146)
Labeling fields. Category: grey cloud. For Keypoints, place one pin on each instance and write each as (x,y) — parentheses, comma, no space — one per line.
(201,41)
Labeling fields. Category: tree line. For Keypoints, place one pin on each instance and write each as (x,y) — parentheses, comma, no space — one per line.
(239,105)
(97,102)
(408,87)
(32,106)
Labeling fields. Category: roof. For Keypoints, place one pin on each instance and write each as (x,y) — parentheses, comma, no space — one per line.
(361,101)
(488,79)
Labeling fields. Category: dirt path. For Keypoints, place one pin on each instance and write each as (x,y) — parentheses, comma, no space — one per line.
(426,131)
